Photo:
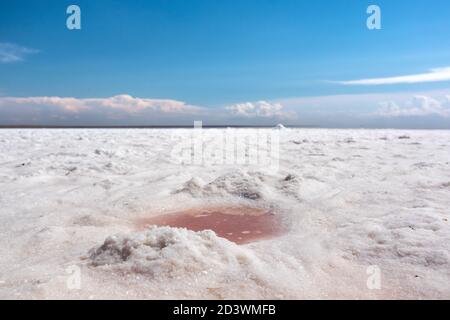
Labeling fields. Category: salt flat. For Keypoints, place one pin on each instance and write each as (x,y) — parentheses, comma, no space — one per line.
(350,201)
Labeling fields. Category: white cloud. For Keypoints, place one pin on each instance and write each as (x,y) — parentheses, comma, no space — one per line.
(337,110)
(121,109)
(418,106)
(124,103)
(434,75)
(260,109)
(125,109)
(10,53)
(420,109)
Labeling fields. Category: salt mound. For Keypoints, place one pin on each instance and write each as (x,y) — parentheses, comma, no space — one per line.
(193,187)
(236,183)
(280,126)
(165,251)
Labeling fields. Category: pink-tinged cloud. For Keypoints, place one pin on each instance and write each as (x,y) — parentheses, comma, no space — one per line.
(116,110)
(125,109)
(124,102)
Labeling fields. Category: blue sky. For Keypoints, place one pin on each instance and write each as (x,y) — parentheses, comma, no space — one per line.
(242,61)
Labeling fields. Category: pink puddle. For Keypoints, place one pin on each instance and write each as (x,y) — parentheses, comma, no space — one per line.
(238,224)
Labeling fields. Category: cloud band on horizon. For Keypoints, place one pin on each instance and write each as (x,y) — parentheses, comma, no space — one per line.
(126,109)
(337,110)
